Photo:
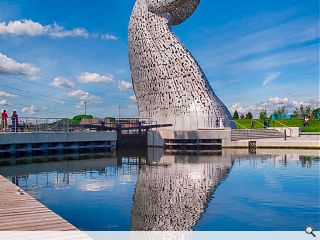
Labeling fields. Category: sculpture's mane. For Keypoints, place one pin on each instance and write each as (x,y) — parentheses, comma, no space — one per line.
(178,10)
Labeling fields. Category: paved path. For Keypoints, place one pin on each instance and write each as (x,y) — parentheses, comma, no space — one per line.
(311,142)
(21,212)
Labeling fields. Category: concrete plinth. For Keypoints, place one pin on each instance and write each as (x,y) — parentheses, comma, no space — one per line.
(303,142)
(290,132)
(158,138)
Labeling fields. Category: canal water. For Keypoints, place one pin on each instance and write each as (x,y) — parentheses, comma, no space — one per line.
(227,190)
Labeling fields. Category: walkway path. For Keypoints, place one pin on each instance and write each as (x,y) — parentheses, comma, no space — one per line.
(306,142)
(21,212)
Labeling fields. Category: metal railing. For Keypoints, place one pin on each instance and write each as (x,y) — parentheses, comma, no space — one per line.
(236,123)
(213,123)
(285,126)
(34,124)
(31,124)
(130,125)
(243,128)
(262,125)
(209,122)
(253,121)
(127,122)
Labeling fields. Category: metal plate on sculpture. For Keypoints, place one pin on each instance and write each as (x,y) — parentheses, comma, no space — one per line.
(169,85)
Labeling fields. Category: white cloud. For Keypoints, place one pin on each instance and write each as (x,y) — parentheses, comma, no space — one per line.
(271,77)
(109,37)
(88,77)
(79,94)
(12,67)
(30,110)
(80,105)
(312,102)
(272,104)
(124,86)
(277,100)
(5,94)
(28,27)
(133,98)
(3,102)
(60,101)
(96,186)
(58,31)
(238,107)
(62,82)
(22,27)
(31,28)
(237,46)
(84,96)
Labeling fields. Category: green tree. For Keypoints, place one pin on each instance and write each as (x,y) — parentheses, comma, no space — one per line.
(263,115)
(316,112)
(235,115)
(77,119)
(275,114)
(249,115)
(308,110)
(302,110)
(281,111)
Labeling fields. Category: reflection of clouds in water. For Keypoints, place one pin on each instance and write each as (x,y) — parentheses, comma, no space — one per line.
(124,179)
(272,182)
(112,226)
(96,186)
(61,187)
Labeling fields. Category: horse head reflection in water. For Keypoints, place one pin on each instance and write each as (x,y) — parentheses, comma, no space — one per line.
(173,195)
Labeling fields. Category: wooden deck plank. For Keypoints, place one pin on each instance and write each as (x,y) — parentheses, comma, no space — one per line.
(31,218)
(22,209)
(21,212)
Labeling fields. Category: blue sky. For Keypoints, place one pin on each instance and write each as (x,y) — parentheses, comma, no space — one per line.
(54,55)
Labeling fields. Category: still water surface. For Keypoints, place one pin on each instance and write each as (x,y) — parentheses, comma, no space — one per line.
(226,191)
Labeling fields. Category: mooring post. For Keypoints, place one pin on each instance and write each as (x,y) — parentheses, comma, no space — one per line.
(285,134)
(252,147)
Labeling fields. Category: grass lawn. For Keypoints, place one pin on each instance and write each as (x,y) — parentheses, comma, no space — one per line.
(314,124)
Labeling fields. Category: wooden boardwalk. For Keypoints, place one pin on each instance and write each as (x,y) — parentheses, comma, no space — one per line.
(21,212)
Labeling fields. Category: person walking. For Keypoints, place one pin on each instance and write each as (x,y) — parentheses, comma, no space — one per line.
(306,119)
(4,121)
(265,124)
(14,120)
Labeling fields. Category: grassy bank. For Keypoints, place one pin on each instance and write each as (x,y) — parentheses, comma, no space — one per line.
(314,124)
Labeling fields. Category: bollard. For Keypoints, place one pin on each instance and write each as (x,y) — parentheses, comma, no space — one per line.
(252,147)
(285,134)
